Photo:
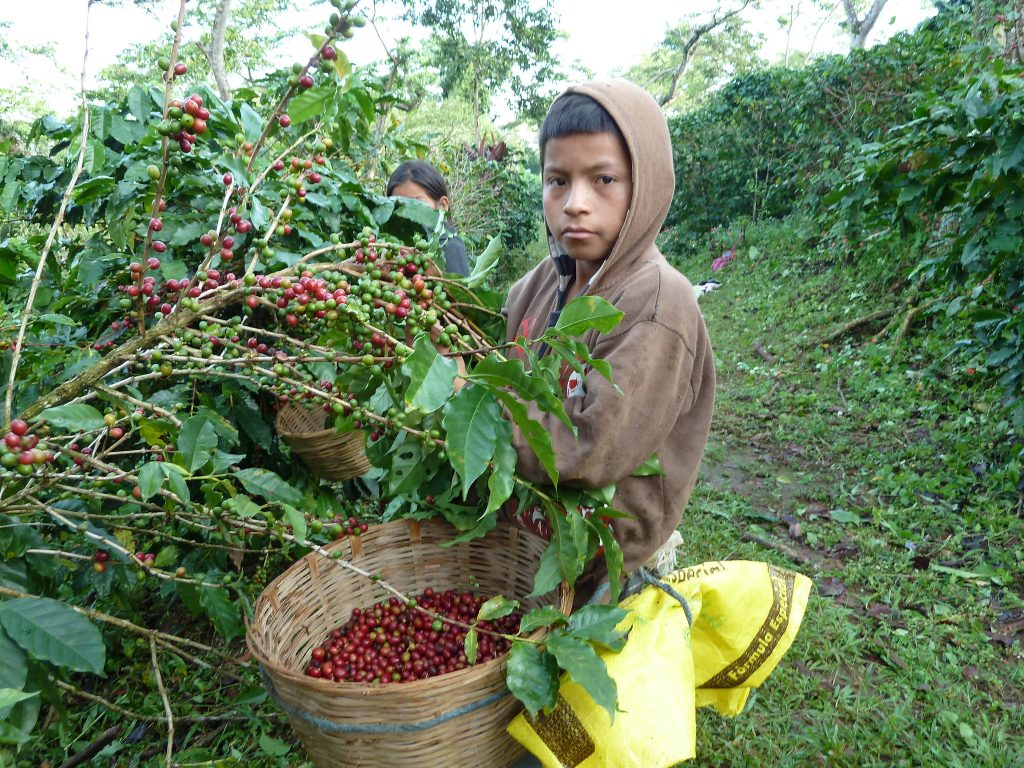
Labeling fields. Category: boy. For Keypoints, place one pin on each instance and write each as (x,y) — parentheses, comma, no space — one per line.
(606,164)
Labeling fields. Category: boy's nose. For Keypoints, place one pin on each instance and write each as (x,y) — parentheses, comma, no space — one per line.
(577,200)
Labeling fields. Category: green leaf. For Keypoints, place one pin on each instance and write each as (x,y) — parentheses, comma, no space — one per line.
(269,485)
(512,374)
(485,262)
(597,624)
(273,747)
(496,607)
(151,478)
(418,213)
(197,442)
(13,667)
(166,556)
(137,103)
(252,122)
(841,515)
(246,507)
(178,485)
(470,646)
(536,436)
(586,669)
(222,611)
(11,735)
(49,630)
(310,103)
(547,577)
(13,664)
(252,423)
(532,677)
(408,470)
(11,696)
(93,189)
(650,467)
(571,541)
(541,617)
(470,420)
(55,319)
(501,481)
(612,556)
(74,417)
(296,520)
(586,313)
(431,376)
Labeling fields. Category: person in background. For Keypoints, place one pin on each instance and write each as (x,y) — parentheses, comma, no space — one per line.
(419,180)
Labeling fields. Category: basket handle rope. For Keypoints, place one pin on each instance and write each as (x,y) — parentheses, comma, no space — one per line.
(329,726)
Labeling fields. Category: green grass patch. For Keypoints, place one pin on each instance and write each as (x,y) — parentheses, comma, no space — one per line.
(888,474)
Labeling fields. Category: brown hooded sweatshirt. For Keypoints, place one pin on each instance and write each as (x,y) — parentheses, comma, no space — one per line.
(660,354)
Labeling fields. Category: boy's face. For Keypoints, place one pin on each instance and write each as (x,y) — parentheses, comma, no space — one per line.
(588,186)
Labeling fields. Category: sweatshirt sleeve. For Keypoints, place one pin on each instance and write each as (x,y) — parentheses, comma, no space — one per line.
(658,371)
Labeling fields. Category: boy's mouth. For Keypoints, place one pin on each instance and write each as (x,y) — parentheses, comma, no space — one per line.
(576,233)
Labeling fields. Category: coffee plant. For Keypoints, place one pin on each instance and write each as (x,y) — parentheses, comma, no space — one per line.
(175,268)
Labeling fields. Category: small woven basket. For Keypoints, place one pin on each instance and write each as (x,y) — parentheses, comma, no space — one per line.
(332,455)
(456,720)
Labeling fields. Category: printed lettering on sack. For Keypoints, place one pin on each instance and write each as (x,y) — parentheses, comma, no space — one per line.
(768,635)
(696,572)
(564,734)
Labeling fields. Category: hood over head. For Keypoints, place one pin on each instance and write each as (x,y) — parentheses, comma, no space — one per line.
(645,130)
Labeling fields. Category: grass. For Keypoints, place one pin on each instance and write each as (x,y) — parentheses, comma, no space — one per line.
(889,477)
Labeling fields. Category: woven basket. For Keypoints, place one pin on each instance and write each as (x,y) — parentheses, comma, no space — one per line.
(330,454)
(456,720)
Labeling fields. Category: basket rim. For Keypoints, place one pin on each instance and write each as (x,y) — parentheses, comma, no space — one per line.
(316,433)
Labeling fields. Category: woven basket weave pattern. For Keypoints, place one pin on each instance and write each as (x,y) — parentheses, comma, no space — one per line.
(330,454)
(297,611)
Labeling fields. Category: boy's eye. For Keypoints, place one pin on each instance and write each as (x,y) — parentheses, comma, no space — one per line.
(606,179)
(556,181)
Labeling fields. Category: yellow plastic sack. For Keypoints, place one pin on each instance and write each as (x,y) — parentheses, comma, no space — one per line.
(745,617)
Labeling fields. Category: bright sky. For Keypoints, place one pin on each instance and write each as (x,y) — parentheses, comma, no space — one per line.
(602,34)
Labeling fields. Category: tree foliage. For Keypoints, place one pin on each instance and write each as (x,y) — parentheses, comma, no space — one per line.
(482,49)
(702,62)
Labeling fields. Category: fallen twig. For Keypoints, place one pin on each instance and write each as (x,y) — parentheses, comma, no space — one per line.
(763,353)
(872,317)
(90,751)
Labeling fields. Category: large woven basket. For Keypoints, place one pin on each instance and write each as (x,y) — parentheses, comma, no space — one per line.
(456,720)
(332,455)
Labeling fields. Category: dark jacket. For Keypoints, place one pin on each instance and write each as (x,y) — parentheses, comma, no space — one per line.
(455,257)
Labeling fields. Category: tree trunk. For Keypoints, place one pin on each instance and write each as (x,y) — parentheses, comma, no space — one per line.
(220,25)
(860,28)
(1014,34)
(688,47)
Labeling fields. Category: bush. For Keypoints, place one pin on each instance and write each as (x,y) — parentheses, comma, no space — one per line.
(772,141)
